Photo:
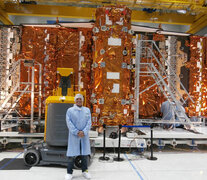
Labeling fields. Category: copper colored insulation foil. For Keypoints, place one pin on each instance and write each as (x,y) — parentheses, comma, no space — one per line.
(112,94)
(204,78)
(198,76)
(86,71)
(150,100)
(52,47)
(67,48)
(33,43)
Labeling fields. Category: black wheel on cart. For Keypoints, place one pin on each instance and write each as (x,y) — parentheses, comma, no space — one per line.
(31,157)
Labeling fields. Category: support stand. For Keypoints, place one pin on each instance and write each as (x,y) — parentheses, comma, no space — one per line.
(151,147)
(118,158)
(104,158)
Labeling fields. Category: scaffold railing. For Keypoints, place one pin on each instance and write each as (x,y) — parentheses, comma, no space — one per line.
(10,97)
(149,64)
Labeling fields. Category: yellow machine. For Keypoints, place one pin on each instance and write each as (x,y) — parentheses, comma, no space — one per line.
(53,149)
(64,93)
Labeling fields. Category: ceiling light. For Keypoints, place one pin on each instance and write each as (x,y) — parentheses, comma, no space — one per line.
(181,11)
(154,19)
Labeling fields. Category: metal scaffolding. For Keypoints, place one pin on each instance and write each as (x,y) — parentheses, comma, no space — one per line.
(9,109)
(153,66)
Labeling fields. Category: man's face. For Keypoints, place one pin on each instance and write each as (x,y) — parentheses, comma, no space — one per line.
(79,102)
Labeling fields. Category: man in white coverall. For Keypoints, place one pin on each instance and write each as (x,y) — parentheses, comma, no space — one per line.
(168,113)
(78,119)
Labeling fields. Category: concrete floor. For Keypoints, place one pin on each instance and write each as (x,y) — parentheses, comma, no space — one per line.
(170,165)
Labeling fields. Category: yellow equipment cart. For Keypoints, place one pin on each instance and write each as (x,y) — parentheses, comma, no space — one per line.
(53,149)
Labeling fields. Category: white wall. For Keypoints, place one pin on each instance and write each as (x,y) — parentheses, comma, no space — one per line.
(17,20)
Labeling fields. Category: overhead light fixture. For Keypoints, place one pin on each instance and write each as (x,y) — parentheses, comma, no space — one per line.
(181,11)
(88,2)
(154,19)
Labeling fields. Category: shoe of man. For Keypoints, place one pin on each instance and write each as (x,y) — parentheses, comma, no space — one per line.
(86,175)
(68,176)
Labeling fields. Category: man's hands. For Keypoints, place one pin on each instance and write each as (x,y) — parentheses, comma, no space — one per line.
(81,134)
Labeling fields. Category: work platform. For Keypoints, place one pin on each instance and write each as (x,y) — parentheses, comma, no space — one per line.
(161,137)
(23,138)
(173,137)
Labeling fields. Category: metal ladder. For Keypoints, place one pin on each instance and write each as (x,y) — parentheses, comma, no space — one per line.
(10,97)
(7,95)
(9,109)
(153,67)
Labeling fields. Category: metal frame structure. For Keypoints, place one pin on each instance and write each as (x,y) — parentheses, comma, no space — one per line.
(9,101)
(162,79)
(174,137)
(192,13)
(164,4)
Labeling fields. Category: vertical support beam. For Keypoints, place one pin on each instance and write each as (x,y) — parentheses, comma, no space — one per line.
(32,100)
(137,81)
(40,92)
(19,74)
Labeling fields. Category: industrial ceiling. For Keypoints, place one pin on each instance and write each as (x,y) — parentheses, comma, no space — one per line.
(183,12)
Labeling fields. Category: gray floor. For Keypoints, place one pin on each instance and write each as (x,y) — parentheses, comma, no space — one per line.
(171,165)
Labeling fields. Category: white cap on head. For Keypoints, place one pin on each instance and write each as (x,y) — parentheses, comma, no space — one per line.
(78,96)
